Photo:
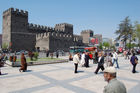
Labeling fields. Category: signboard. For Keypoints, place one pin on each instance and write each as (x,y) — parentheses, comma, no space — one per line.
(93,41)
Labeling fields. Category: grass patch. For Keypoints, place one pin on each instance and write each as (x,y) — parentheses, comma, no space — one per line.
(40,59)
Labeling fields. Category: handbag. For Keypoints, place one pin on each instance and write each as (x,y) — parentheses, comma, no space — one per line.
(136,61)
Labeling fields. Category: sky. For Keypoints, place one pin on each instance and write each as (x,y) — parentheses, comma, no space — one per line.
(101,16)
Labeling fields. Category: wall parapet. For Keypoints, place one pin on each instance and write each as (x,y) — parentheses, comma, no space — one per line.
(16,11)
(39,27)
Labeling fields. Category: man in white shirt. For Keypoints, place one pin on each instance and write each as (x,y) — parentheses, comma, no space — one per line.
(83,59)
(115,58)
(76,61)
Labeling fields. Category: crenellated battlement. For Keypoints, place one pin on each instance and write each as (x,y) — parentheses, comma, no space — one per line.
(64,24)
(64,27)
(39,27)
(56,35)
(42,35)
(16,11)
(87,31)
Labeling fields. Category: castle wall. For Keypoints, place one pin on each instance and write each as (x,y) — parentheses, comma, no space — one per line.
(23,41)
(27,36)
(54,41)
(42,41)
(86,34)
(15,32)
(61,41)
(6,27)
(78,40)
(65,27)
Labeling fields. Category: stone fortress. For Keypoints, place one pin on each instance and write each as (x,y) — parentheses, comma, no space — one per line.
(19,34)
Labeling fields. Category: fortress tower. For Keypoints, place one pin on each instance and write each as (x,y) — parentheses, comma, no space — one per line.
(86,34)
(15,33)
(65,27)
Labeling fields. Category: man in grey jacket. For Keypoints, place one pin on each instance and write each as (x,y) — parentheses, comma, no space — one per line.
(114,86)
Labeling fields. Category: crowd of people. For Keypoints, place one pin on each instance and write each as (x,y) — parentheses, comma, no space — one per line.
(32,55)
(105,61)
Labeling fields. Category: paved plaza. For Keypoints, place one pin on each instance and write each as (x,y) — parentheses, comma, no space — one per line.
(60,78)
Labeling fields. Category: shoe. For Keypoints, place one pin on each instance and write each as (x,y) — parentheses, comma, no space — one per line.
(75,72)
(95,72)
(24,70)
(19,70)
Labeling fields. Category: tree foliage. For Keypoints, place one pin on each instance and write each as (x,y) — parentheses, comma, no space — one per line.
(131,45)
(4,46)
(125,31)
(106,44)
(100,46)
(137,29)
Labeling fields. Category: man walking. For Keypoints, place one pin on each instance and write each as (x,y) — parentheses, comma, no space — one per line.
(115,58)
(114,86)
(100,62)
(83,59)
(86,60)
(134,62)
(76,61)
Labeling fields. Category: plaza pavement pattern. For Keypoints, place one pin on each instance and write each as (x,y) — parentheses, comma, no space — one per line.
(60,78)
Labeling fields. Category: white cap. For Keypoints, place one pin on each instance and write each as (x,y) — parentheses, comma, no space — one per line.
(110,69)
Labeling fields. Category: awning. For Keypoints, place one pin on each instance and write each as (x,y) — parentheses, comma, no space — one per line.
(90,48)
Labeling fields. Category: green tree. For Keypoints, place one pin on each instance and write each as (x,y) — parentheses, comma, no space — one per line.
(112,47)
(101,46)
(125,31)
(131,45)
(106,44)
(137,29)
(4,46)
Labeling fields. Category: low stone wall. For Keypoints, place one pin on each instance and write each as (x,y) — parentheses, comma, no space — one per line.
(18,64)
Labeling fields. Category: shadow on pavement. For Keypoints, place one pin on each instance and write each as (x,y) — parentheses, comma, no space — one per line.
(4,74)
(80,71)
(28,71)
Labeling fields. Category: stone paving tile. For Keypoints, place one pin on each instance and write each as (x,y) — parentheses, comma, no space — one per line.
(60,78)
(41,68)
(21,82)
(63,74)
(54,90)
(91,83)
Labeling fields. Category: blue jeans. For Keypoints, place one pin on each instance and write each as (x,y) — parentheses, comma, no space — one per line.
(116,60)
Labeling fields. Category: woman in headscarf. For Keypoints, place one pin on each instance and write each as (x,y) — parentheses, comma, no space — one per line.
(134,62)
(23,63)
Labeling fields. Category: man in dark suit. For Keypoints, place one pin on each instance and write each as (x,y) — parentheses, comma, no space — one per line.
(86,60)
(100,62)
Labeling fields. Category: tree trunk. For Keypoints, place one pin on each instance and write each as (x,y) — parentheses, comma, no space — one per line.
(130,42)
(139,43)
(125,44)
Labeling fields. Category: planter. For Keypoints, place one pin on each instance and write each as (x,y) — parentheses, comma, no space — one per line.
(18,64)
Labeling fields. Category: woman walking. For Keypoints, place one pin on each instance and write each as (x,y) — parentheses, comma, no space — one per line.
(23,63)
(134,62)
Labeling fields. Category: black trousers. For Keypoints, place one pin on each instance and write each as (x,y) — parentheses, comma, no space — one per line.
(86,63)
(76,66)
(134,68)
(99,67)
